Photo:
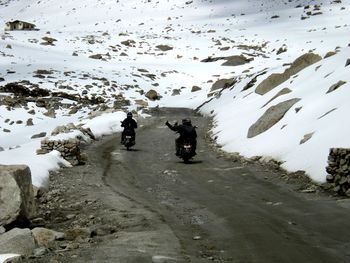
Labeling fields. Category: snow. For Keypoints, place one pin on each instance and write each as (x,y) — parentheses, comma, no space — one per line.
(4,257)
(196,31)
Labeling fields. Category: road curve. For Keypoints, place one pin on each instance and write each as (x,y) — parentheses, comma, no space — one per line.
(219,210)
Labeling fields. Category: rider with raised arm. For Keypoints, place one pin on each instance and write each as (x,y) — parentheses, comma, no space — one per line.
(186,131)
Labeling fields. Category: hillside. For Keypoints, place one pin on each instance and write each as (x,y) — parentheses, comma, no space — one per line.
(239,59)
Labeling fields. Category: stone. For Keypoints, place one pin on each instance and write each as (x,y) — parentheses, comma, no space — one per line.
(41,251)
(17,241)
(78,234)
(330,54)
(236,61)
(330,178)
(16,193)
(50,113)
(336,86)
(222,84)
(347,63)
(96,56)
(276,79)
(272,116)
(128,42)
(164,47)
(39,135)
(44,237)
(195,88)
(306,138)
(176,92)
(152,95)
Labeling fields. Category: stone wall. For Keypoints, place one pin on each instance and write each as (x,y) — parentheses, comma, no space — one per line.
(69,149)
(338,170)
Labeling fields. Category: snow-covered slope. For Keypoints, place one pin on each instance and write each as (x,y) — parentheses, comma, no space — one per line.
(125,36)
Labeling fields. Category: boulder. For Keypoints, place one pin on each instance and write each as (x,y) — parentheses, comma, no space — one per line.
(222,84)
(44,237)
(236,61)
(272,115)
(195,88)
(276,79)
(306,138)
(78,234)
(336,86)
(164,47)
(17,241)
(38,135)
(16,193)
(96,56)
(176,92)
(152,95)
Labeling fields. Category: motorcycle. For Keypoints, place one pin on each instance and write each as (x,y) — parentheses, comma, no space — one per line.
(186,151)
(129,139)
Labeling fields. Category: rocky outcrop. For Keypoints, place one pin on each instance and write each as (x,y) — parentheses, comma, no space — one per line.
(276,79)
(338,170)
(272,115)
(16,194)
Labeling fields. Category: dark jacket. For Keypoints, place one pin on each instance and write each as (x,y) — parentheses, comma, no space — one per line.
(129,123)
(185,131)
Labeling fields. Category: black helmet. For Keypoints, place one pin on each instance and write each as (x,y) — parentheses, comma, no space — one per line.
(129,115)
(186,121)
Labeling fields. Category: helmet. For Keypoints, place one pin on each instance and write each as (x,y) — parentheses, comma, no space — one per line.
(186,121)
(129,115)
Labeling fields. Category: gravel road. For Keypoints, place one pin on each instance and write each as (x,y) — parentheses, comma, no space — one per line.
(146,205)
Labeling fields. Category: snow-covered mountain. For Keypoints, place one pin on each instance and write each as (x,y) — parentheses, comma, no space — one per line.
(273,74)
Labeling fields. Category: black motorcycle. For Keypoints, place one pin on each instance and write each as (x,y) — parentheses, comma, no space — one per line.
(129,139)
(186,151)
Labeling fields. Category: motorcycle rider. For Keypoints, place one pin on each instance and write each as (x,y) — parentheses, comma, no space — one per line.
(186,131)
(129,124)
